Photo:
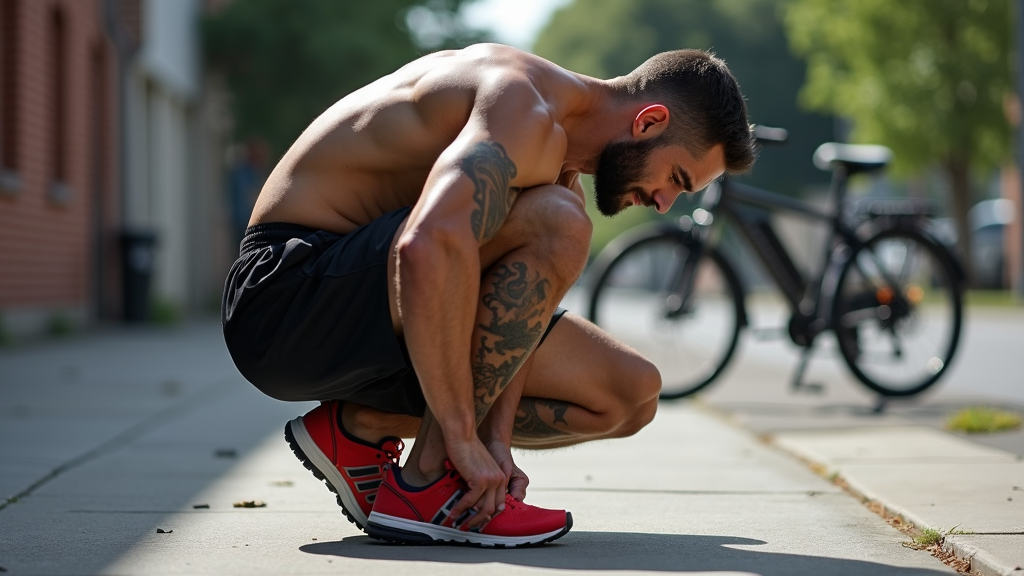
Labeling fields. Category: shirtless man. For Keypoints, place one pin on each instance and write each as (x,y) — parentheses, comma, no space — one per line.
(405,261)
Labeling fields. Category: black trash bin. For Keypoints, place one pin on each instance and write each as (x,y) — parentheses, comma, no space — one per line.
(137,258)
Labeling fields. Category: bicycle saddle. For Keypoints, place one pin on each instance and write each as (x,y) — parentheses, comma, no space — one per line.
(853,157)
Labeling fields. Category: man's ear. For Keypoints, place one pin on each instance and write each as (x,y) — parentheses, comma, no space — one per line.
(650,122)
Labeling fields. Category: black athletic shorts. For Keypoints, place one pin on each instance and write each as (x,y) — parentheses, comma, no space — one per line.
(306,316)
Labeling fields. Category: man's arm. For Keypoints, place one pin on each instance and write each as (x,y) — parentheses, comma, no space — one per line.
(465,200)
(496,429)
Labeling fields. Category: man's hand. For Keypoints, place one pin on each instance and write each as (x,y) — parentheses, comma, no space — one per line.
(485,479)
(516,480)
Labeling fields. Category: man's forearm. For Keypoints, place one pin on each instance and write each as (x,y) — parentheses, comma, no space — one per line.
(438,300)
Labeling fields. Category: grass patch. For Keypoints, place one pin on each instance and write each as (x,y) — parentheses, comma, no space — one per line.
(995,298)
(982,419)
(929,537)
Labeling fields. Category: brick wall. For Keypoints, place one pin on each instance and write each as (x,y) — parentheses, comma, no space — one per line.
(57,226)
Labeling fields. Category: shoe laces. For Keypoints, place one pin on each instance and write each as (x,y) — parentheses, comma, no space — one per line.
(392,449)
(450,470)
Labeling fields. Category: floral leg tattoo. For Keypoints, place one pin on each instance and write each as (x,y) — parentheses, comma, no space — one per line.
(516,300)
(538,418)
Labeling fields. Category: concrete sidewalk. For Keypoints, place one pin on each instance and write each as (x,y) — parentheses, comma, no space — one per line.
(126,450)
(901,462)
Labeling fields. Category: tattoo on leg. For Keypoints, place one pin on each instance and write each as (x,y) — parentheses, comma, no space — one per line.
(491,170)
(516,303)
(529,423)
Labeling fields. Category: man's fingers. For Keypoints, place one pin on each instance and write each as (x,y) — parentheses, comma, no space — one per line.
(478,515)
(517,487)
(465,503)
(474,509)
(499,500)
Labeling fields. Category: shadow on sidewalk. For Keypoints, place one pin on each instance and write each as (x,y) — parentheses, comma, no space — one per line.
(622,551)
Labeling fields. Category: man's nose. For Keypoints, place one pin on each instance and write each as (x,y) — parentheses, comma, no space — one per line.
(663,200)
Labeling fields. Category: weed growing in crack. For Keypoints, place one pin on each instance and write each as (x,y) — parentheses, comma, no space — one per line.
(929,537)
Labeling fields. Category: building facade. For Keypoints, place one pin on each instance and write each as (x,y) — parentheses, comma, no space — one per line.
(106,126)
(59,198)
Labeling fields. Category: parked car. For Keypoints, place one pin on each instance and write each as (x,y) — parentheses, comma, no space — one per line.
(987,221)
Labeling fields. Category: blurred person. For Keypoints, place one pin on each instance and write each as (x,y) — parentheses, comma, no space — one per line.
(245,179)
(405,261)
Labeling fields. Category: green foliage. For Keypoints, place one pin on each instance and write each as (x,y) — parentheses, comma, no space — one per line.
(924,77)
(286,61)
(982,419)
(607,38)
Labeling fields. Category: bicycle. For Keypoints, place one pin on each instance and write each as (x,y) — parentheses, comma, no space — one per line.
(887,287)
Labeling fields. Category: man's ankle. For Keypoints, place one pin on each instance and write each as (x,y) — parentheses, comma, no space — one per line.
(352,425)
(420,476)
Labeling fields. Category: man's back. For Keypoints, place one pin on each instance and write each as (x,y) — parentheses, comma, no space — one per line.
(372,151)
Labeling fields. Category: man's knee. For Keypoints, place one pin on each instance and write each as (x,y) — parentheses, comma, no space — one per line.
(633,400)
(551,222)
(641,399)
(640,417)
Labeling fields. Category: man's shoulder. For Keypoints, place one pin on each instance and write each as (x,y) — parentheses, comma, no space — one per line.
(500,71)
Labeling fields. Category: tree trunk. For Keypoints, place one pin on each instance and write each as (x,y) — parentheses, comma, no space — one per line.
(959,171)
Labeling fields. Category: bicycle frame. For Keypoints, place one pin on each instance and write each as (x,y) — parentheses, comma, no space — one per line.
(858,246)
(809,297)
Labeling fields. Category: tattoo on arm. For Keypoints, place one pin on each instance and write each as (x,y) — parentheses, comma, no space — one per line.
(530,424)
(491,170)
(516,300)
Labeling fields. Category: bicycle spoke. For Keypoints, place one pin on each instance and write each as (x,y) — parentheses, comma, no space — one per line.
(897,313)
(680,313)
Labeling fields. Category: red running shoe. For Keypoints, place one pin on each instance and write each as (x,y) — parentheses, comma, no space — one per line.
(351,468)
(407,515)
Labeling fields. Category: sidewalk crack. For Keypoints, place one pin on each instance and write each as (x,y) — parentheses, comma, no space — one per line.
(125,437)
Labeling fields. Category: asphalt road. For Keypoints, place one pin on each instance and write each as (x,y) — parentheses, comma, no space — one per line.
(988,365)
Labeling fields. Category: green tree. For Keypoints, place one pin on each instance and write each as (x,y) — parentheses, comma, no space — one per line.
(924,77)
(607,38)
(286,61)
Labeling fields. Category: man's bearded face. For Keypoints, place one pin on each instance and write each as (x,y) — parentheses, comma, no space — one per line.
(620,167)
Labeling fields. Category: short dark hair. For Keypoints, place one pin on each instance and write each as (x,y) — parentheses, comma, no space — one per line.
(704,101)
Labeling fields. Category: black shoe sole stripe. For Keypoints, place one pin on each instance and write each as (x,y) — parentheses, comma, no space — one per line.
(409,538)
(316,472)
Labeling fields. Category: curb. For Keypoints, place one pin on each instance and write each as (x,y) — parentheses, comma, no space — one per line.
(982,562)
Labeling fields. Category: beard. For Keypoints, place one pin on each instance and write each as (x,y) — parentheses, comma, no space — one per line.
(620,166)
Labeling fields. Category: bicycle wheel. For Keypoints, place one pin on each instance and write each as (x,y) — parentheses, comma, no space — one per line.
(897,312)
(636,299)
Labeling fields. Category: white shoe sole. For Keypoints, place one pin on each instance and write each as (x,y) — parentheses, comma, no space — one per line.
(404,531)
